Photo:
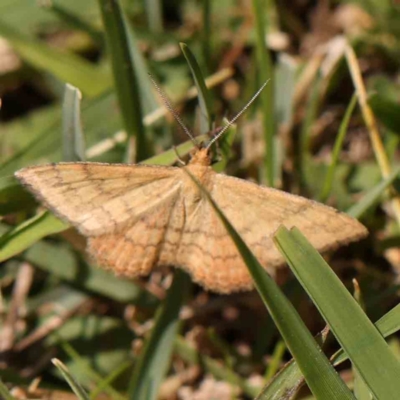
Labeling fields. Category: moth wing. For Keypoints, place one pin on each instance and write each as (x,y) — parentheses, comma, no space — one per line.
(256,212)
(99,198)
(152,240)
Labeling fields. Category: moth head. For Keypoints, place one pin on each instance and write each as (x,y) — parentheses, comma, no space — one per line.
(201,156)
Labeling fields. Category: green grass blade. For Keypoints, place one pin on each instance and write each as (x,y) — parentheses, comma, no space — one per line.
(285,79)
(155,358)
(357,335)
(321,377)
(373,195)
(276,360)
(360,388)
(336,149)
(105,383)
(289,379)
(66,67)
(387,325)
(154,15)
(171,156)
(72,382)
(88,371)
(73,139)
(206,108)
(265,73)
(125,76)
(225,148)
(147,95)
(285,384)
(390,322)
(28,233)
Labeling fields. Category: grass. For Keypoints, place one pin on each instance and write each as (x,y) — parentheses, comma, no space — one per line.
(326,127)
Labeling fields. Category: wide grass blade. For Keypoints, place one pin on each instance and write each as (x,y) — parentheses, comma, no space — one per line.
(387,325)
(29,232)
(363,343)
(285,79)
(73,139)
(207,114)
(289,379)
(155,358)
(125,75)
(321,377)
(154,15)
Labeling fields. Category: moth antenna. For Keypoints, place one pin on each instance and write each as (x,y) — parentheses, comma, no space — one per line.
(171,109)
(233,120)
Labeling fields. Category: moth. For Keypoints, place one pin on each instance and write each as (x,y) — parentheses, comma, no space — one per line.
(137,217)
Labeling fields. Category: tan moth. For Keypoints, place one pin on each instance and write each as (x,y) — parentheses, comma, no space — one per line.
(137,217)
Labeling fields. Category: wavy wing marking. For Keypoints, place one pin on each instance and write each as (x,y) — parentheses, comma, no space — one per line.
(256,212)
(98,198)
(151,241)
